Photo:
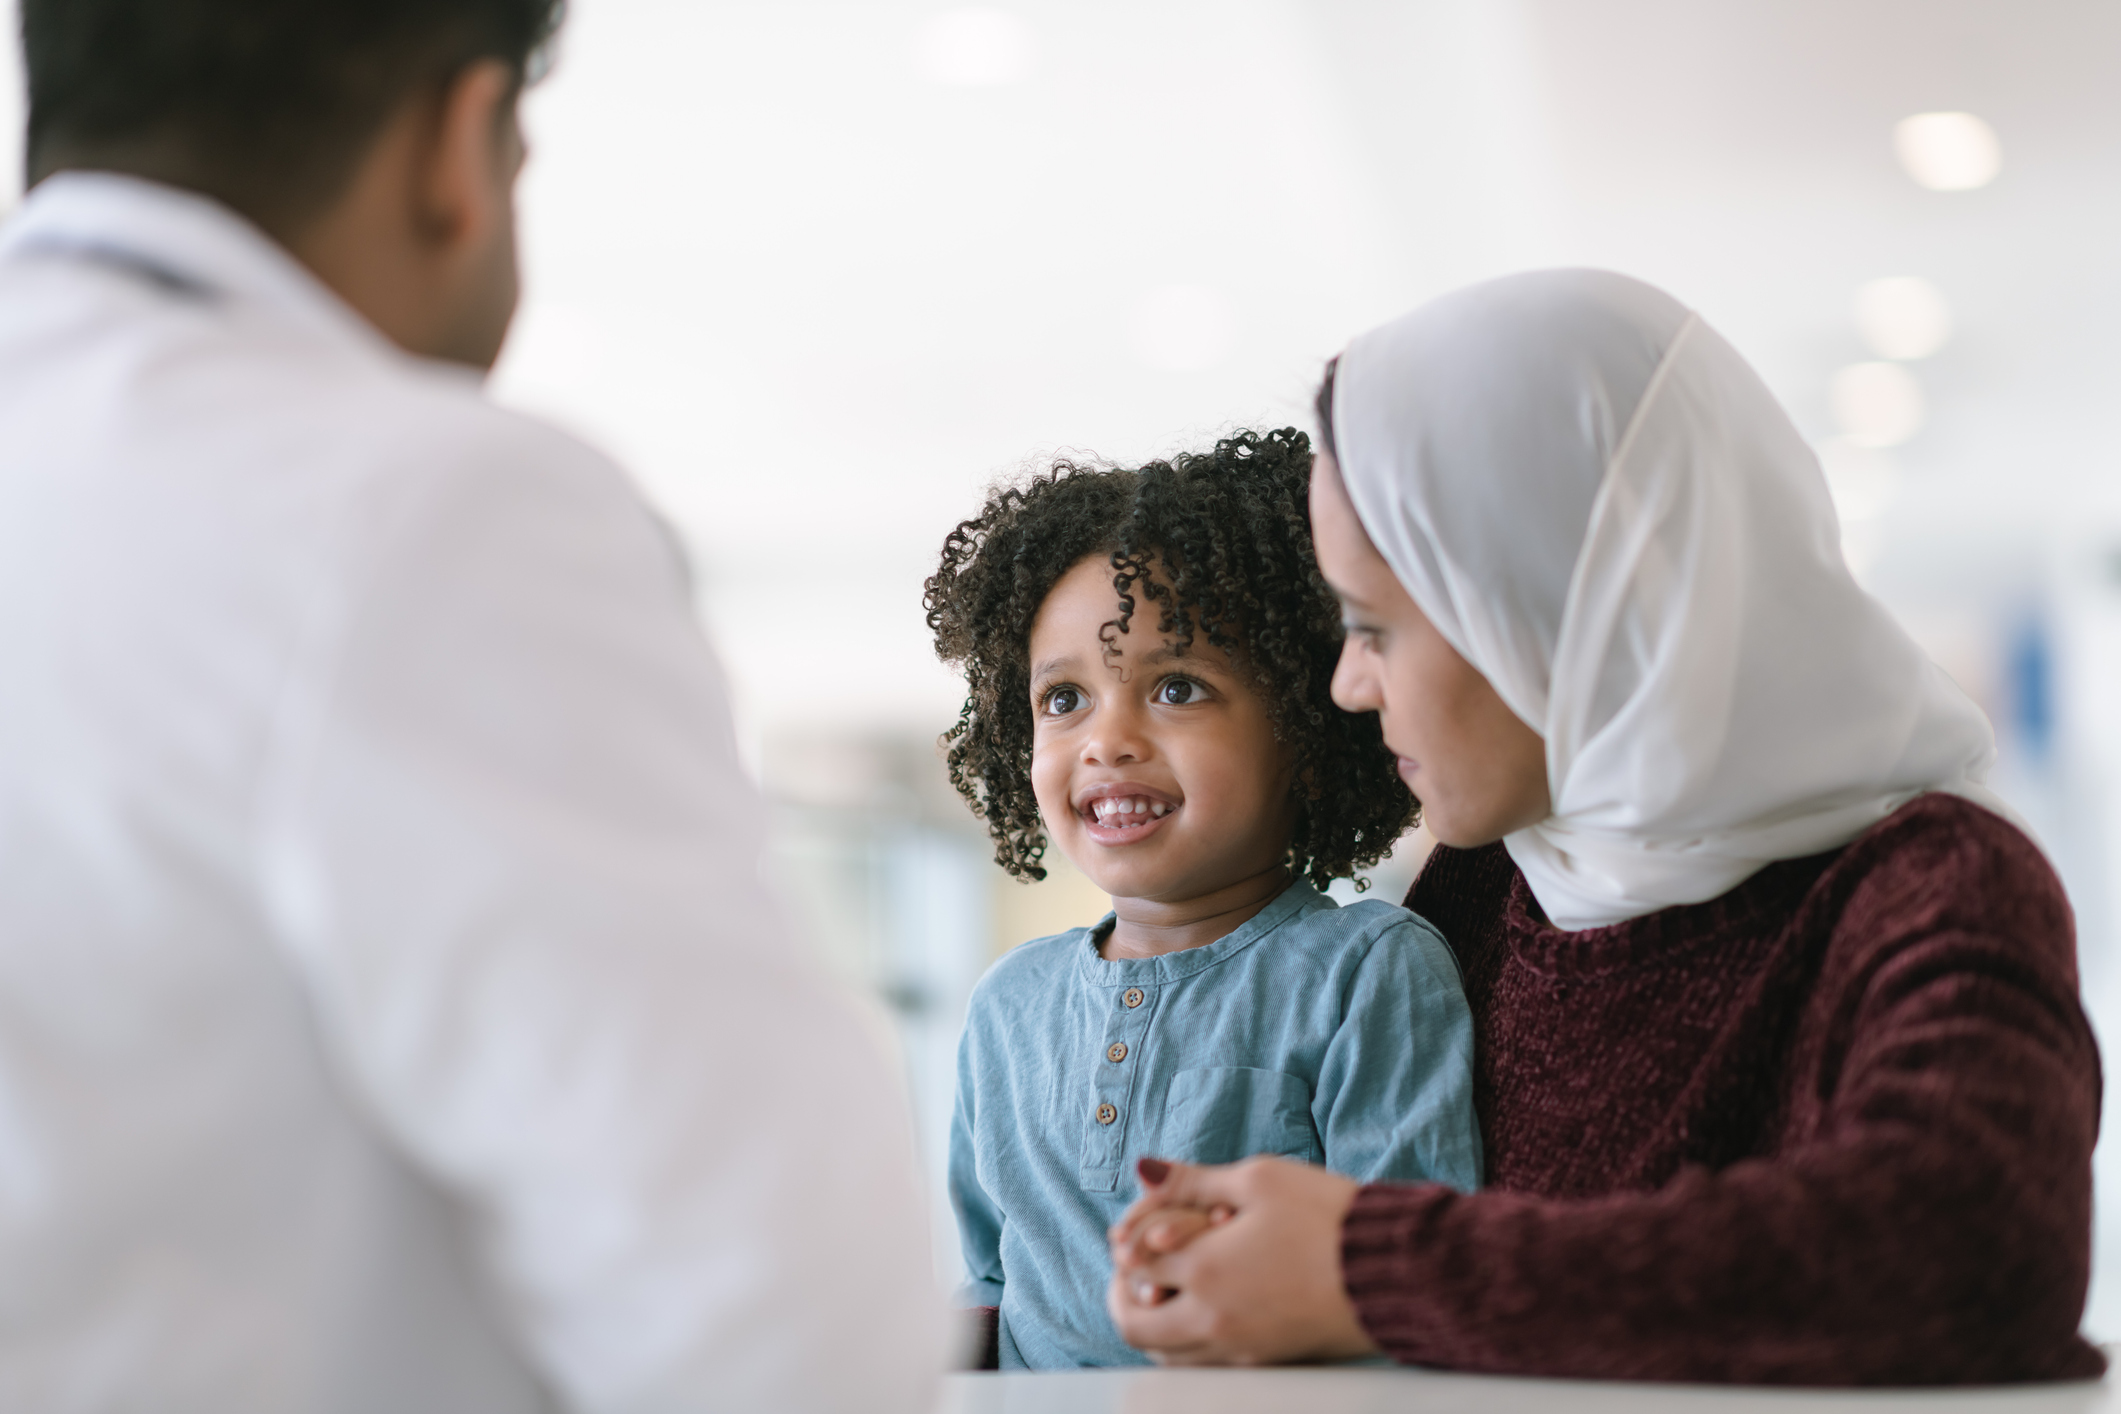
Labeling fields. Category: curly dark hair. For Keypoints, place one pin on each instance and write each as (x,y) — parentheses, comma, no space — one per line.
(1229,531)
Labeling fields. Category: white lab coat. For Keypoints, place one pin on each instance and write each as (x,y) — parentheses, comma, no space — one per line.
(391,1017)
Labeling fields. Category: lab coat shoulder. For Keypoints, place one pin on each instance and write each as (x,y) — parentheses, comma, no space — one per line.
(515,856)
(508,599)
(439,469)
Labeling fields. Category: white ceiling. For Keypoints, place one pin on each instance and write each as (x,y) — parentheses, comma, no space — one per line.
(817,299)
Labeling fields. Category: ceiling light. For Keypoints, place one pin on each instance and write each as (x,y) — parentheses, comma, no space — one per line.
(975,47)
(1183,328)
(1948,151)
(1903,317)
(1876,404)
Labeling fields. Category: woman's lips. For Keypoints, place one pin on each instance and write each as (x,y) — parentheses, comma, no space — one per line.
(1408,766)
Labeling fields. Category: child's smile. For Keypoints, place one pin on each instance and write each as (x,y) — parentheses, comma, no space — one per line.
(1156,769)
(1124,812)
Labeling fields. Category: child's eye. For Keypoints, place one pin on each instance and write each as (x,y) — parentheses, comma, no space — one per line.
(1177,692)
(1062,700)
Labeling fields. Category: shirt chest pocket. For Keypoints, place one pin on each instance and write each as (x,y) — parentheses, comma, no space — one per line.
(1221,1114)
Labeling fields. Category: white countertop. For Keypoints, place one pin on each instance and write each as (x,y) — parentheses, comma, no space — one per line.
(1419,1392)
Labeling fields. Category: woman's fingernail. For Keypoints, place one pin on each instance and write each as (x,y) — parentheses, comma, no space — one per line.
(1153,1171)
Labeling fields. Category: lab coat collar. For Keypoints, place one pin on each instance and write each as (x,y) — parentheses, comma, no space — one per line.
(180,240)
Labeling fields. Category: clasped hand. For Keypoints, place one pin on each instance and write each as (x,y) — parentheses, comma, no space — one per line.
(1235,1265)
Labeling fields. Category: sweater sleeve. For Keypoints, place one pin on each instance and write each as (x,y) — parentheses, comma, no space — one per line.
(1931,1225)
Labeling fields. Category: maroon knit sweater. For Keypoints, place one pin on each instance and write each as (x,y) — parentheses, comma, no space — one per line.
(1834,1127)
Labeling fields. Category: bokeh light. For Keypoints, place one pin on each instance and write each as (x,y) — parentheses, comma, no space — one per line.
(1903,317)
(1948,151)
(1864,480)
(1877,404)
(975,47)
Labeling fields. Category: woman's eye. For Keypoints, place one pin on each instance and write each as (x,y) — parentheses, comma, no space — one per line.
(1062,700)
(1177,692)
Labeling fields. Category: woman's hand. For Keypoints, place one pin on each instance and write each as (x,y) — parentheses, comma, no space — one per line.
(1236,1266)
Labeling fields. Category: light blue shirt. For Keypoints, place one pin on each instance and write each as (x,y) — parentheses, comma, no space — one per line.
(1339,1036)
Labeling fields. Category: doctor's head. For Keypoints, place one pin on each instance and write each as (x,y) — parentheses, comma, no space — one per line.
(375,139)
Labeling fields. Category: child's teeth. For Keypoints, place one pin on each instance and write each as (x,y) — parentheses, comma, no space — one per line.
(1114,809)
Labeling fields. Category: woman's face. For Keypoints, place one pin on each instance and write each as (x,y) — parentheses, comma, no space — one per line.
(1479,771)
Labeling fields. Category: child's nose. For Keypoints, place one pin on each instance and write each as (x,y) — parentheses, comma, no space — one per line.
(1110,753)
(1116,740)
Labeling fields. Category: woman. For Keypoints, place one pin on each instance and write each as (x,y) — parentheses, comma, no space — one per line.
(1782,1071)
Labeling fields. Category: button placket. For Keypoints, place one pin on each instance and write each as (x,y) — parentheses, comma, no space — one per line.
(1110,1108)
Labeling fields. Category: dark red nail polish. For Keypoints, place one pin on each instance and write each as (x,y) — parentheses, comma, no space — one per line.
(1153,1171)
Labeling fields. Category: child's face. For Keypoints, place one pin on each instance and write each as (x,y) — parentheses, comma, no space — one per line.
(1158,774)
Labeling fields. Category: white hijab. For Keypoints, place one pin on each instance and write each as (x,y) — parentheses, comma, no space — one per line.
(1602,508)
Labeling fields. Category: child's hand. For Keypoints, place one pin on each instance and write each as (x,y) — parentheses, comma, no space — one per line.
(1158,1234)
(1262,1285)
(1155,1226)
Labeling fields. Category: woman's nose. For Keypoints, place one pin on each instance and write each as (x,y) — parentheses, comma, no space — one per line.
(1355,687)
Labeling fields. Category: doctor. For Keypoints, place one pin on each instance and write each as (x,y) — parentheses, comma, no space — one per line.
(390,1013)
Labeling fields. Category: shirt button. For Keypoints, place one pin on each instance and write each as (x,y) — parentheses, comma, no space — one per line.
(1134,997)
(1116,1052)
(1106,1114)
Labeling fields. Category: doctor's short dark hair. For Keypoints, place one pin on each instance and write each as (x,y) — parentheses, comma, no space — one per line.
(266,105)
(1227,533)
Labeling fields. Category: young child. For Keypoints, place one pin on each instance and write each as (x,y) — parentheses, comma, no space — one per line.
(1148,655)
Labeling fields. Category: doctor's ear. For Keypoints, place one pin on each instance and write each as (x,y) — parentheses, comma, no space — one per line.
(466,185)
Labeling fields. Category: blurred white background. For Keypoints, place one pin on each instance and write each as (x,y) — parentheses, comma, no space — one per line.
(817,272)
